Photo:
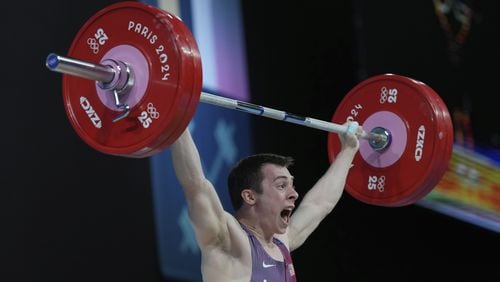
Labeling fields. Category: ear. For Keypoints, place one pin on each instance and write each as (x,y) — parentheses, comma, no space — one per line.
(248,196)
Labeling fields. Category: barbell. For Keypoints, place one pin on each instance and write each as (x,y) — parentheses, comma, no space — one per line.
(132,81)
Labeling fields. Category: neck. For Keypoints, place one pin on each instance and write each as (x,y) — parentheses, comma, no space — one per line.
(257,231)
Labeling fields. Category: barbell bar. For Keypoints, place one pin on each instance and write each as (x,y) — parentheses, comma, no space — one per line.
(104,75)
(132,82)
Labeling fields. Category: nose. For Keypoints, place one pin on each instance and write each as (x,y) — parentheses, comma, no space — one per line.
(293,195)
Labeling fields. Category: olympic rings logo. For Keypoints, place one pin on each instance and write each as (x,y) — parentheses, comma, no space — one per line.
(153,113)
(388,95)
(146,117)
(100,38)
(94,46)
(381,183)
(376,183)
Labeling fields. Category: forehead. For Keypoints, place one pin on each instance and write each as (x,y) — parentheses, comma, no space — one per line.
(273,172)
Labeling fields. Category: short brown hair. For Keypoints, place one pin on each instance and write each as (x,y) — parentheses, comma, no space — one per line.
(247,174)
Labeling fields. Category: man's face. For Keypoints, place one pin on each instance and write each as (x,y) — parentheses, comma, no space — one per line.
(277,199)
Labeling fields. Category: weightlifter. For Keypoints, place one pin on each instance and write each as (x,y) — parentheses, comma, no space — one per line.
(135,105)
(255,242)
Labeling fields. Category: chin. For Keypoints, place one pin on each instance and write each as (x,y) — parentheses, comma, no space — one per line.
(282,229)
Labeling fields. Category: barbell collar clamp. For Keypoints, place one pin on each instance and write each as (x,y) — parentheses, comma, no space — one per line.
(113,75)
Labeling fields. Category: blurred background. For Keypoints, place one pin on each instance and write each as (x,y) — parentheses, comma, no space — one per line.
(71,213)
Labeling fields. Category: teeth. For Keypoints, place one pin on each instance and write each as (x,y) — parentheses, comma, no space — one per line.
(286,213)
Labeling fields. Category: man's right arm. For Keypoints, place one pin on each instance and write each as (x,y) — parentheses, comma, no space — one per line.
(205,209)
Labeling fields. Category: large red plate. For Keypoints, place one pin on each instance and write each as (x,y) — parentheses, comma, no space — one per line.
(421,139)
(171,93)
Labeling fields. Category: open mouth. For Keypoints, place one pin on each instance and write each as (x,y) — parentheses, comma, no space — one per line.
(286,214)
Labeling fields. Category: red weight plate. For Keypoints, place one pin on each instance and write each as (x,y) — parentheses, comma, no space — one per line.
(396,175)
(445,133)
(445,144)
(193,88)
(159,106)
(427,185)
(195,91)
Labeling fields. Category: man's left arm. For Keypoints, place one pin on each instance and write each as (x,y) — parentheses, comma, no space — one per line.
(320,200)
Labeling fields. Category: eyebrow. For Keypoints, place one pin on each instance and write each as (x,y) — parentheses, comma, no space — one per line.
(283,177)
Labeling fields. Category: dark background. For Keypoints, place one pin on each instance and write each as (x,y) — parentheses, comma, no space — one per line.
(69,213)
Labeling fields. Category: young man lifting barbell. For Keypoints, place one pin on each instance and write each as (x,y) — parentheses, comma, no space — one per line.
(255,242)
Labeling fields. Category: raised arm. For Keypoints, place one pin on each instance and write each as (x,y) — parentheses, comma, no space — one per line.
(320,200)
(205,209)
